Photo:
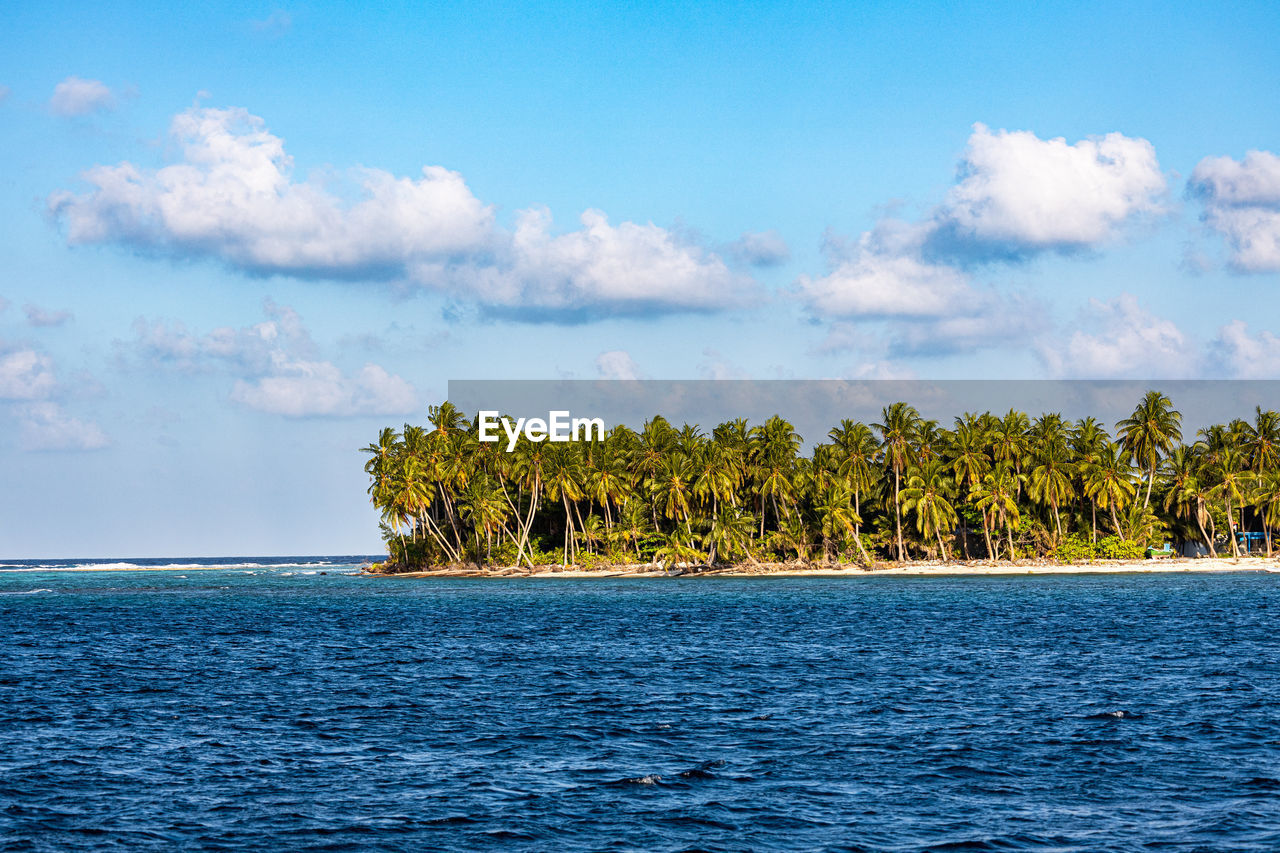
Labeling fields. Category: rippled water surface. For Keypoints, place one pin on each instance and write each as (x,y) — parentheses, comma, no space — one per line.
(273,707)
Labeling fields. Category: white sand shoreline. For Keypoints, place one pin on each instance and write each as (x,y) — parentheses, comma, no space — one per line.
(918,569)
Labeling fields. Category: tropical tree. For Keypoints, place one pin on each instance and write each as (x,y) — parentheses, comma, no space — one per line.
(1149,433)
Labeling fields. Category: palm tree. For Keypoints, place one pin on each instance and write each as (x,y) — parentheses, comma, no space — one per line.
(897,433)
(855,450)
(1050,478)
(1188,492)
(1231,483)
(836,518)
(1150,432)
(1087,440)
(1266,497)
(729,535)
(928,495)
(1108,481)
(997,499)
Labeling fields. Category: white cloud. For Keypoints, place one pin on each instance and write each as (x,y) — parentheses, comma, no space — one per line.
(76,96)
(1253,180)
(1019,193)
(761,248)
(38,316)
(26,375)
(1236,353)
(617,364)
(872,284)
(880,370)
(249,350)
(1242,203)
(232,197)
(45,426)
(275,367)
(1121,339)
(306,388)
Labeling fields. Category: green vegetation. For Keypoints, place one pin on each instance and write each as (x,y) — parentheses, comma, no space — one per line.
(905,488)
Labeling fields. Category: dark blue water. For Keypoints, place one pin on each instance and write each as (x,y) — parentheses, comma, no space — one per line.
(277,710)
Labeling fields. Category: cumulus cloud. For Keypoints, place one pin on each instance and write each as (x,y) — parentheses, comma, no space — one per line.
(45,426)
(1120,338)
(761,248)
(309,388)
(26,374)
(1016,196)
(1019,194)
(275,366)
(76,96)
(1237,353)
(872,284)
(37,316)
(248,350)
(1242,203)
(617,364)
(232,196)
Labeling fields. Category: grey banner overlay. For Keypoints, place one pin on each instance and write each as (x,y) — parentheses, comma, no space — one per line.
(815,406)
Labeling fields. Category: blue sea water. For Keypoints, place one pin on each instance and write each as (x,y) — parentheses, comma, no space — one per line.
(302,707)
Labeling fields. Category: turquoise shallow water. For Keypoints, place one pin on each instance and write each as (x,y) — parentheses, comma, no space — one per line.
(265,708)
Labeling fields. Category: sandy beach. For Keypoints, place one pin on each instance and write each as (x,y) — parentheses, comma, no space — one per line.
(922,568)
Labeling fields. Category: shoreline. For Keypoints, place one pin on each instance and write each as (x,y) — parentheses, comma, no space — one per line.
(917,569)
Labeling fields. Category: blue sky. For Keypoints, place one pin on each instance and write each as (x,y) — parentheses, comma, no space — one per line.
(226,266)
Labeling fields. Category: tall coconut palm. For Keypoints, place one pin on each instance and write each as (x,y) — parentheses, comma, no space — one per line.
(1149,433)
(855,450)
(897,451)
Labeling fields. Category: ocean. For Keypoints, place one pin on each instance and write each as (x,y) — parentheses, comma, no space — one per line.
(291,704)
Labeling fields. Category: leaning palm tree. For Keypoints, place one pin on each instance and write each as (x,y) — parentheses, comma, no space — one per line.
(1149,433)
(897,449)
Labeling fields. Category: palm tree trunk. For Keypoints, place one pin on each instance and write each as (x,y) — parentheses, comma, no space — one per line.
(1207,540)
(1235,546)
(986,534)
(528,523)
(897,516)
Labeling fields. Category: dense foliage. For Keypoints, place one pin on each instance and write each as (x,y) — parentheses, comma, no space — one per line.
(905,488)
